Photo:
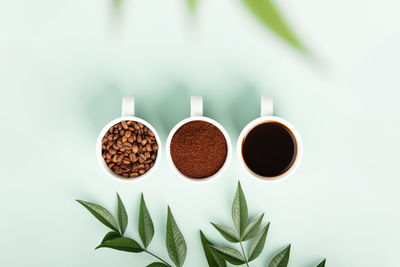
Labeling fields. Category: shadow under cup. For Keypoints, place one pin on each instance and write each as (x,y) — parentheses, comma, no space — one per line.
(269,149)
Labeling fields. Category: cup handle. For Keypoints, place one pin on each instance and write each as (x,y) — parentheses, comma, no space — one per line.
(196,106)
(267,106)
(128,106)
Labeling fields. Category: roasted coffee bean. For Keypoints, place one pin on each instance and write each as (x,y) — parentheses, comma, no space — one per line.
(129,149)
(124,125)
(155,147)
(135,148)
(148,147)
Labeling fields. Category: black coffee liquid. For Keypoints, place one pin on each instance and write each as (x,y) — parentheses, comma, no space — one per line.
(269,149)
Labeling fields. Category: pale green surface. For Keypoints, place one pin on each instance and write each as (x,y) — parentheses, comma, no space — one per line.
(64,66)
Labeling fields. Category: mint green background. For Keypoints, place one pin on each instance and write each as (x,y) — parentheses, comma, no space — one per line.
(64,66)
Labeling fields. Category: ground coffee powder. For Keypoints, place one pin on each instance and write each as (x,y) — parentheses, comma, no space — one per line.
(198,149)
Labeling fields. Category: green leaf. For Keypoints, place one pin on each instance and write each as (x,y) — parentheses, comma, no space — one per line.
(213,259)
(252,228)
(258,243)
(229,254)
(122,216)
(117,3)
(239,211)
(322,264)
(110,236)
(157,264)
(228,233)
(146,228)
(266,12)
(103,215)
(282,259)
(122,243)
(192,5)
(176,244)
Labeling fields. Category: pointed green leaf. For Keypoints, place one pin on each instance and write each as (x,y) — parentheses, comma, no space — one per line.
(103,215)
(322,264)
(192,5)
(213,259)
(117,3)
(282,259)
(269,15)
(258,243)
(146,227)
(239,211)
(122,216)
(122,243)
(157,264)
(110,236)
(228,233)
(252,228)
(176,244)
(229,254)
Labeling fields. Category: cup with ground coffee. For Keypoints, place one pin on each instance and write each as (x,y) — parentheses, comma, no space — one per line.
(269,147)
(128,148)
(198,148)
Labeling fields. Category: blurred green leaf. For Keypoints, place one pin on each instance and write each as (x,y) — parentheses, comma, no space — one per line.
(192,5)
(213,259)
(322,264)
(122,216)
(269,15)
(117,3)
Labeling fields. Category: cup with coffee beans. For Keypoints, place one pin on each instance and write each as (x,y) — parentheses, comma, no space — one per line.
(198,148)
(269,147)
(128,148)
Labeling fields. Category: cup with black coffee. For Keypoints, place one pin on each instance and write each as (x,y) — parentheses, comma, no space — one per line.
(269,147)
(128,148)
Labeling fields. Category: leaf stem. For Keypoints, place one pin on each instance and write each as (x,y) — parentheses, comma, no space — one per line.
(244,255)
(154,255)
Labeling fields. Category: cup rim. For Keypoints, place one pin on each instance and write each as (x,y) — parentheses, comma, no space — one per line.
(102,162)
(228,145)
(251,125)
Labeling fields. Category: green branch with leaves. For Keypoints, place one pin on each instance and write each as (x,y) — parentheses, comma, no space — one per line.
(216,256)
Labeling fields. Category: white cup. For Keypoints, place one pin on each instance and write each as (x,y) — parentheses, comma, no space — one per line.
(267,116)
(127,114)
(196,114)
